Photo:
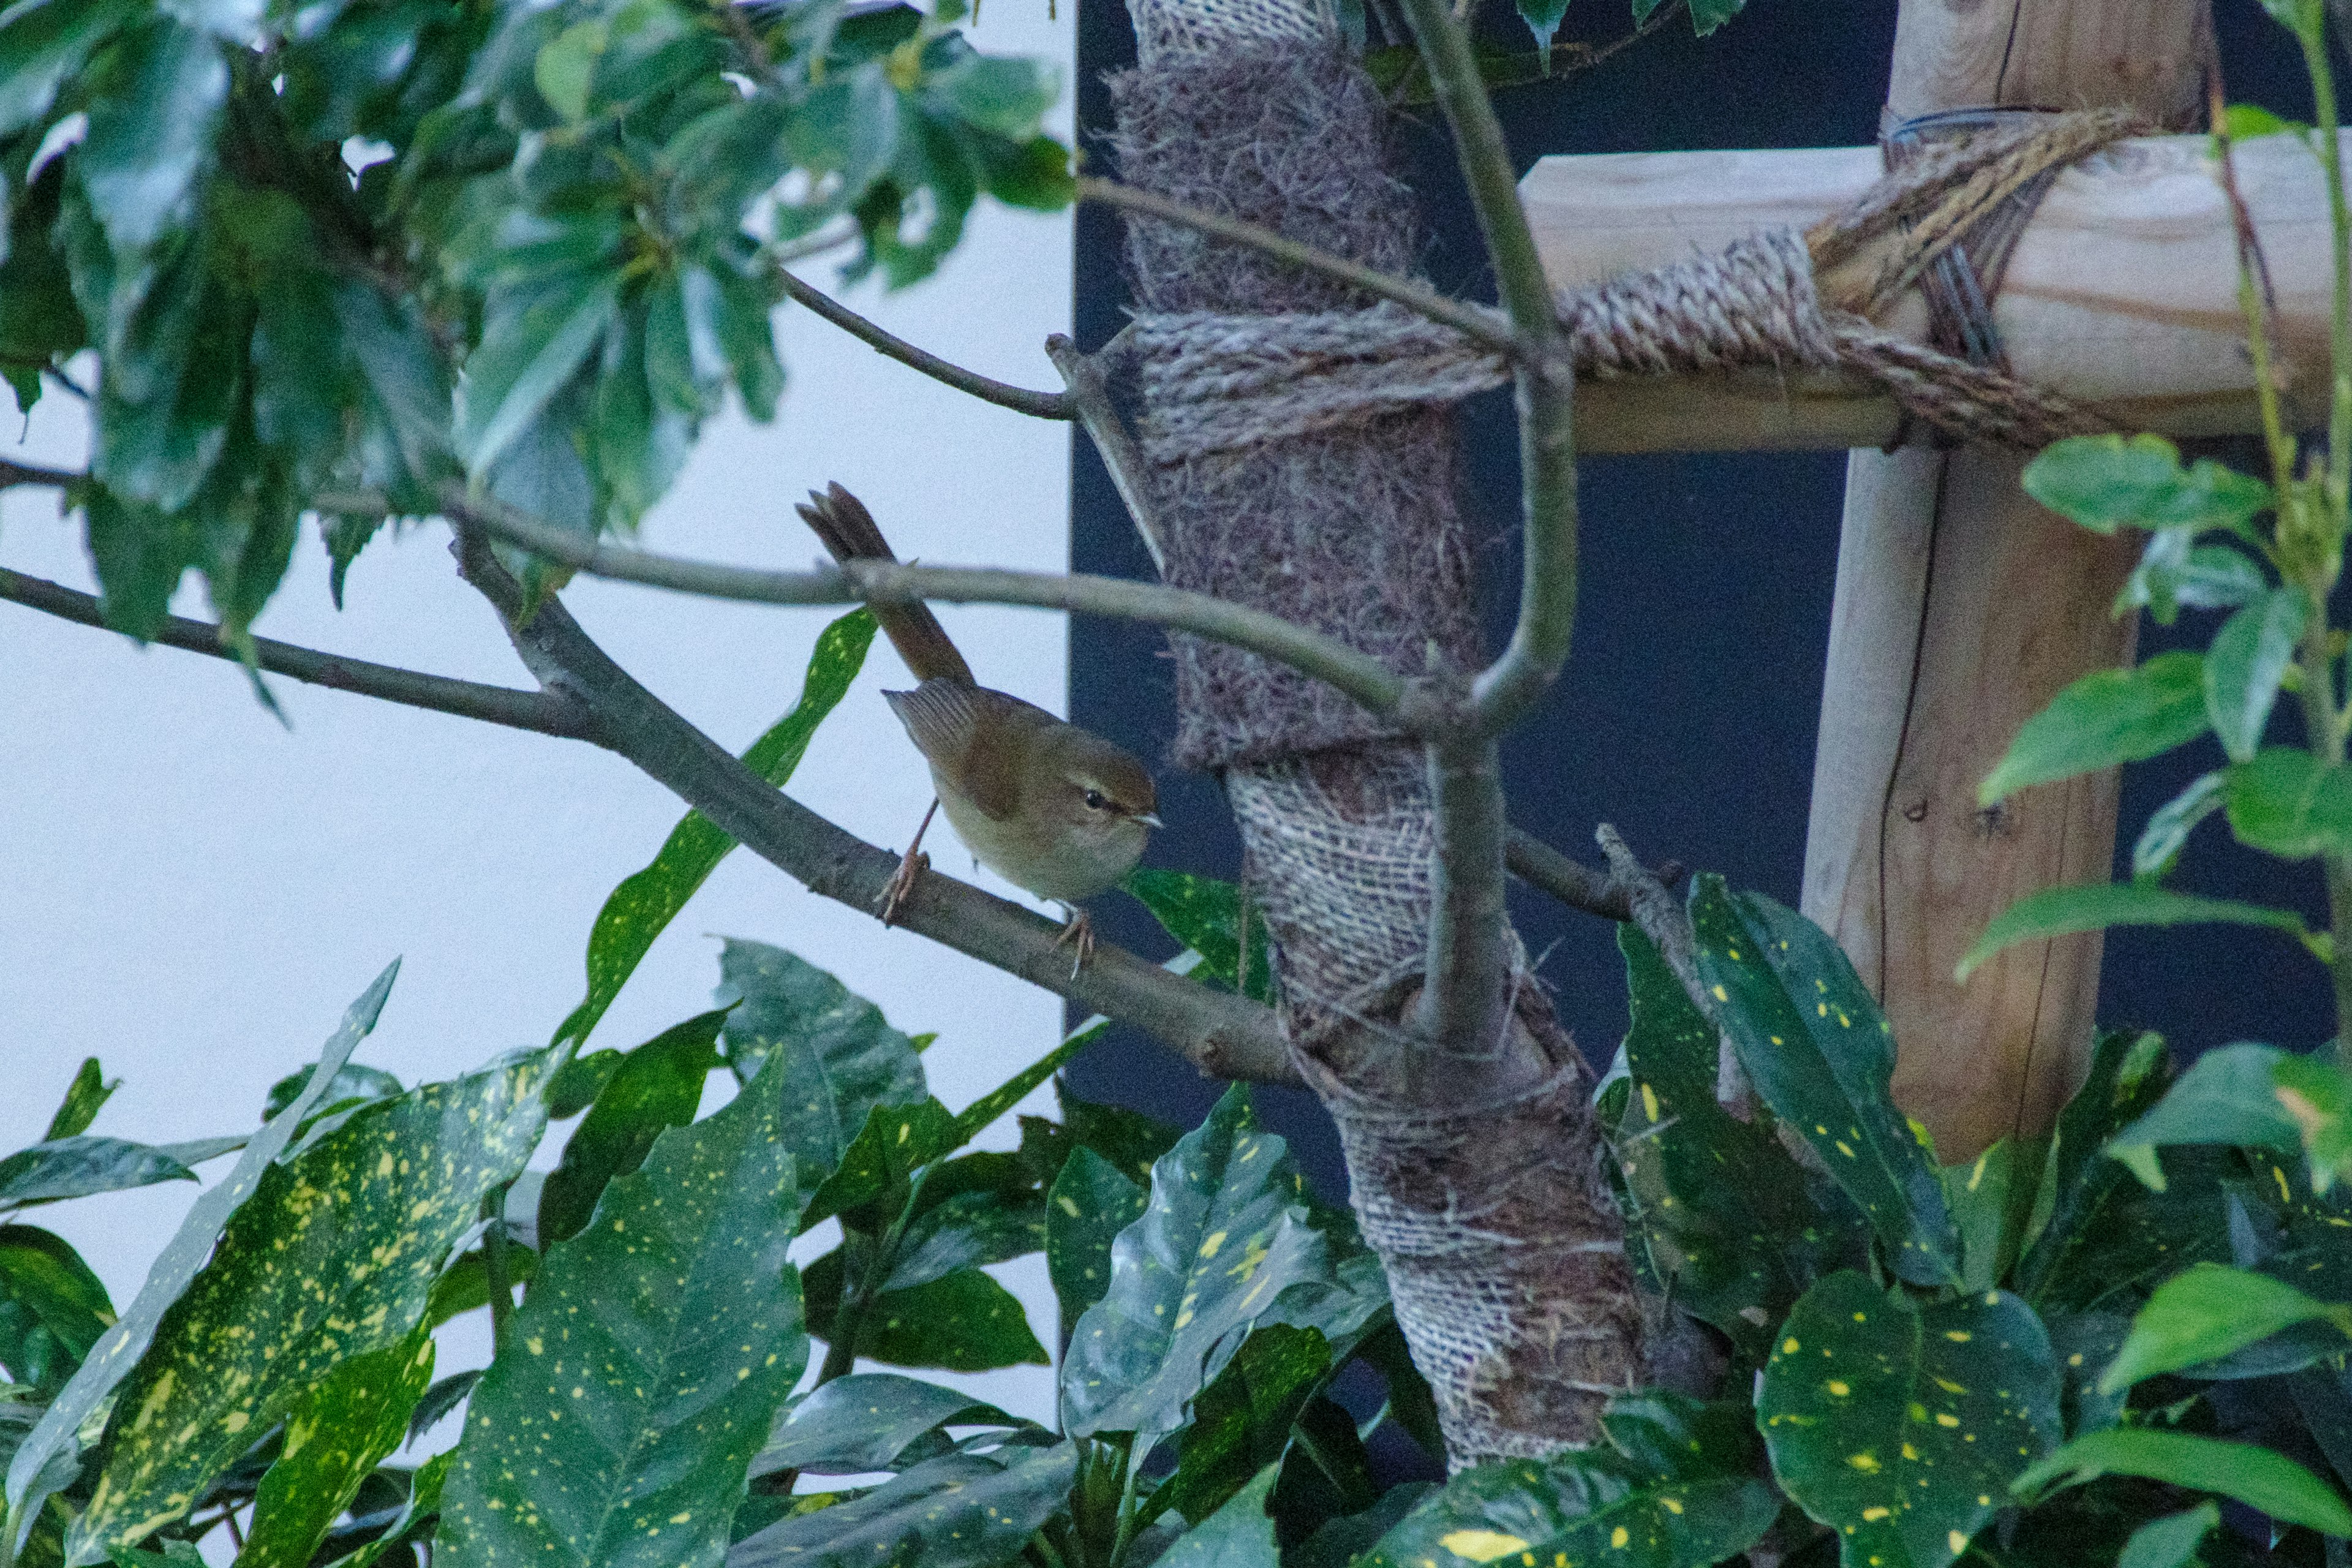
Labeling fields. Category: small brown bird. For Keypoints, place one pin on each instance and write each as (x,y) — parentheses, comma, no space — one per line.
(1047,805)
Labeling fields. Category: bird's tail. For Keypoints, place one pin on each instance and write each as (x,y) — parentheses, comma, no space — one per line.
(848,530)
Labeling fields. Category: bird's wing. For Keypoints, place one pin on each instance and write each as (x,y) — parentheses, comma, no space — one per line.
(943,718)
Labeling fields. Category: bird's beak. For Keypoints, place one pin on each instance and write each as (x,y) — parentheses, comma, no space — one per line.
(1151,819)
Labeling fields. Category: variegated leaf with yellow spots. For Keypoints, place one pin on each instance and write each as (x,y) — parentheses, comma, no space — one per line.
(1901,1426)
(1819,1054)
(333,1257)
(335,1433)
(642,1374)
(1225,1234)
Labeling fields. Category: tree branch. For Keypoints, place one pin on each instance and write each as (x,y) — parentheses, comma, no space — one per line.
(535,711)
(1224,1034)
(1466,997)
(15,474)
(1361,677)
(1020,399)
(1090,396)
(1541,866)
(1471,320)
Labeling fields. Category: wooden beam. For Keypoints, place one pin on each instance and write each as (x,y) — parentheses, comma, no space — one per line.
(1962,606)
(2123,291)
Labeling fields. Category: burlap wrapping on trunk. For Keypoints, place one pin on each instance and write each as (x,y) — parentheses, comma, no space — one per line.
(1475,1171)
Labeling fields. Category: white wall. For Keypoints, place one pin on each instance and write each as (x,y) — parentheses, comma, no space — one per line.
(191,892)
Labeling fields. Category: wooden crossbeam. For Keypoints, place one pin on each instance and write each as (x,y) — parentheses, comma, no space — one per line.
(2123,290)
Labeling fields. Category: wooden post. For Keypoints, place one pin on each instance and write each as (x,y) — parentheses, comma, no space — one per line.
(1961,608)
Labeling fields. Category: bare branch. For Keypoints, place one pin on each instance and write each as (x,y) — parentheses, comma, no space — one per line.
(1472,321)
(1545,377)
(1540,865)
(12,475)
(1020,399)
(1465,998)
(1090,395)
(1226,1035)
(1327,659)
(534,711)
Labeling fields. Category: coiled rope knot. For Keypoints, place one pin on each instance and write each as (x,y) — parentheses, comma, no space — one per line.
(1214,383)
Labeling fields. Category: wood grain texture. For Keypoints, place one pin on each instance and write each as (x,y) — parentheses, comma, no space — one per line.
(2122,292)
(1961,608)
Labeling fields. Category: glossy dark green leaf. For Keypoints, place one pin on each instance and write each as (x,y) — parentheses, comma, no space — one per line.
(1901,1424)
(89,1089)
(1821,1056)
(2291,804)
(1242,1421)
(1992,1198)
(439,1400)
(1089,1205)
(2125,1240)
(416,1516)
(984,1110)
(894,1142)
(1727,1221)
(80,1165)
(150,140)
(861,1423)
(2228,1096)
(842,1059)
(532,342)
(2318,1094)
(43,45)
(2127,1074)
(1130,1140)
(336,1433)
(657,1087)
(2107,717)
(1543,19)
(2170,1542)
(1240,1534)
(2095,906)
(465,1285)
(124,1346)
(352,1084)
(52,1307)
(1666,1434)
(964,1231)
(1207,916)
(2259,1478)
(2157,850)
(645,1368)
(2106,482)
(2247,659)
(1224,1235)
(964,1321)
(960,1511)
(334,1256)
(2204,1314)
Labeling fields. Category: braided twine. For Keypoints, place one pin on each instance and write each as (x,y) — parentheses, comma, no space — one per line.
(1217,382)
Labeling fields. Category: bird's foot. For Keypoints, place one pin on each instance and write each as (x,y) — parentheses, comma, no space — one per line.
(901,886)
(1080,934)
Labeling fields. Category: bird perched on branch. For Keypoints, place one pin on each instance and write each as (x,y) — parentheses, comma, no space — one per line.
(1048,807)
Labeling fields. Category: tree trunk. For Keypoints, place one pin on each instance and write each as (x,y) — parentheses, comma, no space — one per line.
(1962,607)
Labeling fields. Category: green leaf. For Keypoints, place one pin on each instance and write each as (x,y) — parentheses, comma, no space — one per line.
(566,65)
(646,1366)
(960,1511)
(336,1433)
(1239,1534)
(842,1059)
(2174,571)
(531,345)
(88,1091)
(2318,1095)
(42,45)
(52,1307)
(352,1084)
(2106,482)
(1224,1235)
(1901,1424)
(2169,826)
(1735,1250)
(965,1230)
(1668,1434)
(2291,804)
(31,1475)
(335,1256)
(2107,717)
(657,1087)
(465,1285)
(1820,1055)
(1992,1198)
(1707,15)
(984,1110)
(1086,1207)
(2249,658)
(1206,915)
(2061,912)
(964,1321)
(1589,1508)
(2127,1074)
(423,1506)
(150,141)
(2245,121)
(2170,1542)
(1242,1421)
(1129,1140)
(2208,1312)
(2270,1482)
(1543,19)
(2228,1096)
(895,1140)
(78,1166)
(861,1423)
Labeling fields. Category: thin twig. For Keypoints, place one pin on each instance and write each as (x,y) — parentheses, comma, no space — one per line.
(1540,865)
(1020,399)
(1090,396)
(13,475)
(1472,321)
(1225,1035)
(533,710)
(1327,659)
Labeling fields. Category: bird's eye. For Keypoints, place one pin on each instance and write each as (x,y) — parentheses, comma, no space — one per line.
(1095,800)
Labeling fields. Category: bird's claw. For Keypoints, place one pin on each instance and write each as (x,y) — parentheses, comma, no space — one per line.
(1080,934)
(901,886)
